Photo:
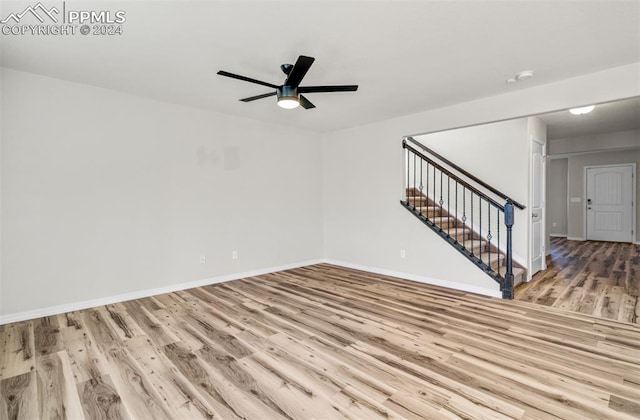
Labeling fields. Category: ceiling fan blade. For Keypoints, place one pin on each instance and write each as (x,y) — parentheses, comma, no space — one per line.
(253,98)
(305,103)
(246,79)
(299,70)
(338,88)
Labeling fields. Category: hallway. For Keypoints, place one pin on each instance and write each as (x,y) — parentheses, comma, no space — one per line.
(595,278)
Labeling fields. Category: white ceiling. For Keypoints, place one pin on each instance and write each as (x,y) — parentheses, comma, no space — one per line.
(406,56)
(609,117)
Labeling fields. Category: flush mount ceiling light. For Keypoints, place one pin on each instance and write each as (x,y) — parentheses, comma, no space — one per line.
(582,110)
(521,77)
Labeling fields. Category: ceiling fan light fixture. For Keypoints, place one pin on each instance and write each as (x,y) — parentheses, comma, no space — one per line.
(288,103)
(582,110)
(288,97)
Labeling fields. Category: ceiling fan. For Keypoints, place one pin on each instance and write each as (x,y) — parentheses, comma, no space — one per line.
(290,93)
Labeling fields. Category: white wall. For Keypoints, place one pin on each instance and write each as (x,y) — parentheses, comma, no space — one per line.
(473,149)
(557,197)
(364,222)
(619,140)
(105,193)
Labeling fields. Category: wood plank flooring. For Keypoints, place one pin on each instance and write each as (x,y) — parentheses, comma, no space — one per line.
(596,278)
(320,342)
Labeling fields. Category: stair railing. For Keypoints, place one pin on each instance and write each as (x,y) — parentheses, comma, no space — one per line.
(443,196)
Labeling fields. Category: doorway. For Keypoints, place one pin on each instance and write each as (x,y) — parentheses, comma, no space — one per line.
(610,203)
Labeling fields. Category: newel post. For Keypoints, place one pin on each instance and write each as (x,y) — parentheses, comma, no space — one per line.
(507,287)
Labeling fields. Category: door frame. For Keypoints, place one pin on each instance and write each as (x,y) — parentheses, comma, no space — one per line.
(543,180)
(633,197)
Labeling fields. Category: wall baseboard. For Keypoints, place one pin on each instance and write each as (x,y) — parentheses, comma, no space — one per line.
(92,303)
(557,235)
(420,279)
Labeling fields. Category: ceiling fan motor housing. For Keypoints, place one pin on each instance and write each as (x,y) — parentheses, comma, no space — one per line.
(287,92)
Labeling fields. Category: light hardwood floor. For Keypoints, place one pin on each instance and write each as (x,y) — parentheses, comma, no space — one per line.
(320,342)
(596,278)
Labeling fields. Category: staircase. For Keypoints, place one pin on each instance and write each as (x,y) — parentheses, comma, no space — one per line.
(460,209)
(460,234)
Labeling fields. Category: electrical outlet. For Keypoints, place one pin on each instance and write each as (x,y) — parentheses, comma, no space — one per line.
(234,255)
(403,253)
(203,259)
(554,224)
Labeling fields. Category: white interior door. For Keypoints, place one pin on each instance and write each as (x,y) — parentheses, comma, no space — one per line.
(537,207)
(610,203)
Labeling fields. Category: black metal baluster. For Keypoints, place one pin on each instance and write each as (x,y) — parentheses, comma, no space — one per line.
(498,228)
(427,195)
(457,211)
(407,189)
(464,216)
(414,182)
(421,207)
(434,194)
(449,205)
(480,233)
(489,233)
(472,232)
(441,175)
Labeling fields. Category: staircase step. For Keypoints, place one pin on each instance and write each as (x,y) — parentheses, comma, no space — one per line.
(493,260)
(445,223)
(410,192)
(474,245)
(430,211)
(420,200)
(463,235)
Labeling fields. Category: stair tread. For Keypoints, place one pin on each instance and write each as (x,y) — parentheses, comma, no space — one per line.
(462,233)
(423,208)
(444,218)
(416,201)
(492,259)
(445,223)
(434,211)
(473,244)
